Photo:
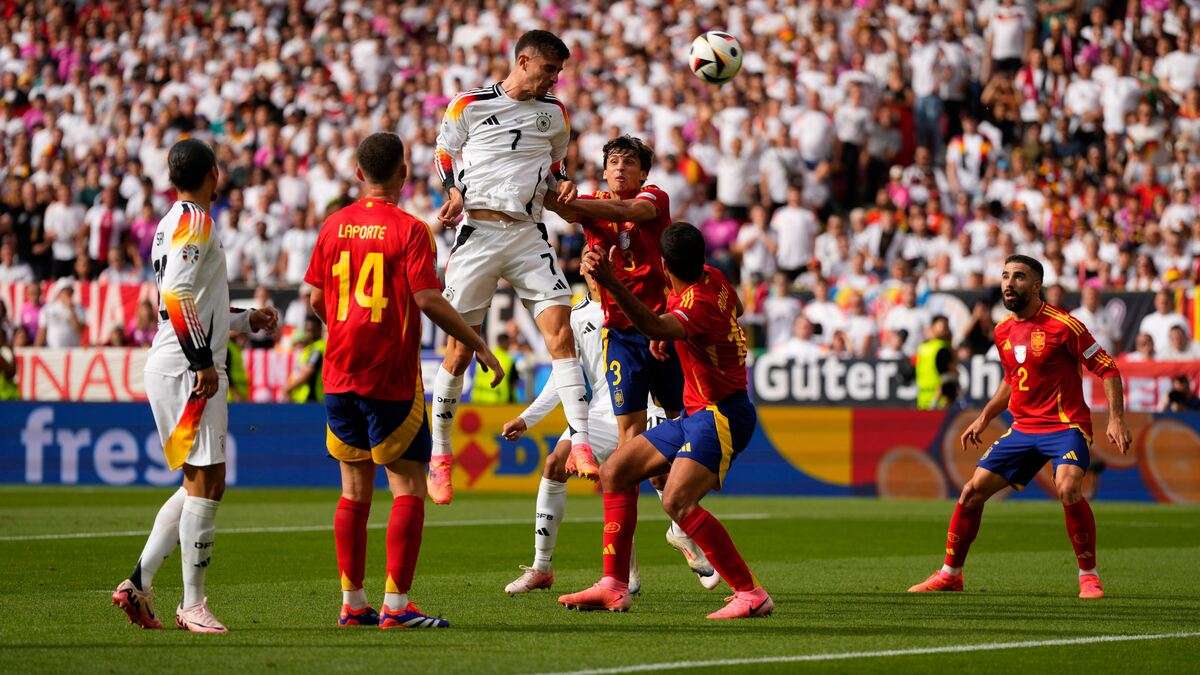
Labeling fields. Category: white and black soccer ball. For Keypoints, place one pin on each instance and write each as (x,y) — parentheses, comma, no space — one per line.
(715,57)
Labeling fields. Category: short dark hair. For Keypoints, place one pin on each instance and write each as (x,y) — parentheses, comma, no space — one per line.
(630,145)
(380,155)
(939,317)
(543,42)
(1025,260)
(683,251)
(189,163)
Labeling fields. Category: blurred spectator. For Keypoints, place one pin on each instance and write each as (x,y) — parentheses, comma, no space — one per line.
(481,392)
(60,323)
(117,271)
(11,269)
(299,309)
(937,374)
(106,224)
(64,228)
(1179,347)
(909,318)
(1158,323)
(795,229)
(860,329)
(802,345)
(304,384)
(1182,396)
(1102,325)
(1143,349)
(8,369)
(142,329)
(780,309)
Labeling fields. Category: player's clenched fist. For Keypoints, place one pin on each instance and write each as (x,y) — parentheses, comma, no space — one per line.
(451,210)
(266,319)
(599,267)
(514,429)
(566,192)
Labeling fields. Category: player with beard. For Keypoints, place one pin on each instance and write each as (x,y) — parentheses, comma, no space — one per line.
(1041,350)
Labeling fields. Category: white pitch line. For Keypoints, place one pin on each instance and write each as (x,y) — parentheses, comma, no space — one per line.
(329,528)
(839,656)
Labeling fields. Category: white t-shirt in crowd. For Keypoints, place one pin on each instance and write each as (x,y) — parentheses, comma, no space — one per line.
(56,320)
(781,312)
(299,245)
(795,228)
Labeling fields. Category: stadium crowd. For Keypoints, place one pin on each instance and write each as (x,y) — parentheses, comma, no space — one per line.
(869,152)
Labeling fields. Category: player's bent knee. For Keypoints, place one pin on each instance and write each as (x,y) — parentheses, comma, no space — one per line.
(676,507)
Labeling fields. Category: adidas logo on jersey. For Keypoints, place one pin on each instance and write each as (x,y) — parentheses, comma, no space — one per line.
(492,121)
(588,328)
(560,286)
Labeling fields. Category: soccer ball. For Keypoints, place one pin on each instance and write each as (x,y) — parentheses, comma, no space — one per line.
(715,57)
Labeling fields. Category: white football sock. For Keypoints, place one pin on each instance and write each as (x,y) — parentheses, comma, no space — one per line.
(356,599)
(551,505)
(447,389)
(164,538)
(675,529)
(395,601)
(196,528)
(1086,572)
(568,382)
(956,571)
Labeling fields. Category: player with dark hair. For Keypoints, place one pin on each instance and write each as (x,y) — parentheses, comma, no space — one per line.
(1041,349)
(633,216)
(186,385)
(372,272)
(499,152)
(695,450)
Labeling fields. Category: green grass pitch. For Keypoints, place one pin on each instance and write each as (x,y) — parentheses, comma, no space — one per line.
(837,569)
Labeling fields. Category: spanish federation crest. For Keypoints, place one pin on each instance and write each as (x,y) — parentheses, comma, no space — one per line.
(542,122)
(1037,341)
(1019,353)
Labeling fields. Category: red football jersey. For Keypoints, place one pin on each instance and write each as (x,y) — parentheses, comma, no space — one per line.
(1041,359)
(713,355)
(370,259)
(641,250)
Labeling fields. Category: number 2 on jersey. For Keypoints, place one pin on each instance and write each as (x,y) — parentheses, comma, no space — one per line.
(375,301)
(1022,375)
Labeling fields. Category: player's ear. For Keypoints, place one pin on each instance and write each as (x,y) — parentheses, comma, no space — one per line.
(358,174)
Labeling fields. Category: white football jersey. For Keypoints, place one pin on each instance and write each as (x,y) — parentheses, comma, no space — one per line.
(503,153)
(193,292)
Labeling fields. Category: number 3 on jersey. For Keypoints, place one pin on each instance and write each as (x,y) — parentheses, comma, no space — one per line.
(372,266)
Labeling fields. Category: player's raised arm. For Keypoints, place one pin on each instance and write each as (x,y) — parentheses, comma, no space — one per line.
(451,137)
(637,210)
(653,326)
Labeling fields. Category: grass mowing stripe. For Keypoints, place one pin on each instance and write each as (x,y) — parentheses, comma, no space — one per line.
(883,653)
(329,528)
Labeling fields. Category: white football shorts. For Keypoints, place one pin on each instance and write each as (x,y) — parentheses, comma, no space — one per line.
(487,251)
(192,430)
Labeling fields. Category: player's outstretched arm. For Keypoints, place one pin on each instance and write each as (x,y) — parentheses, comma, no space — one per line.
(434,306)
(546,401)
(653,326)
(613,210)
(993,408)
